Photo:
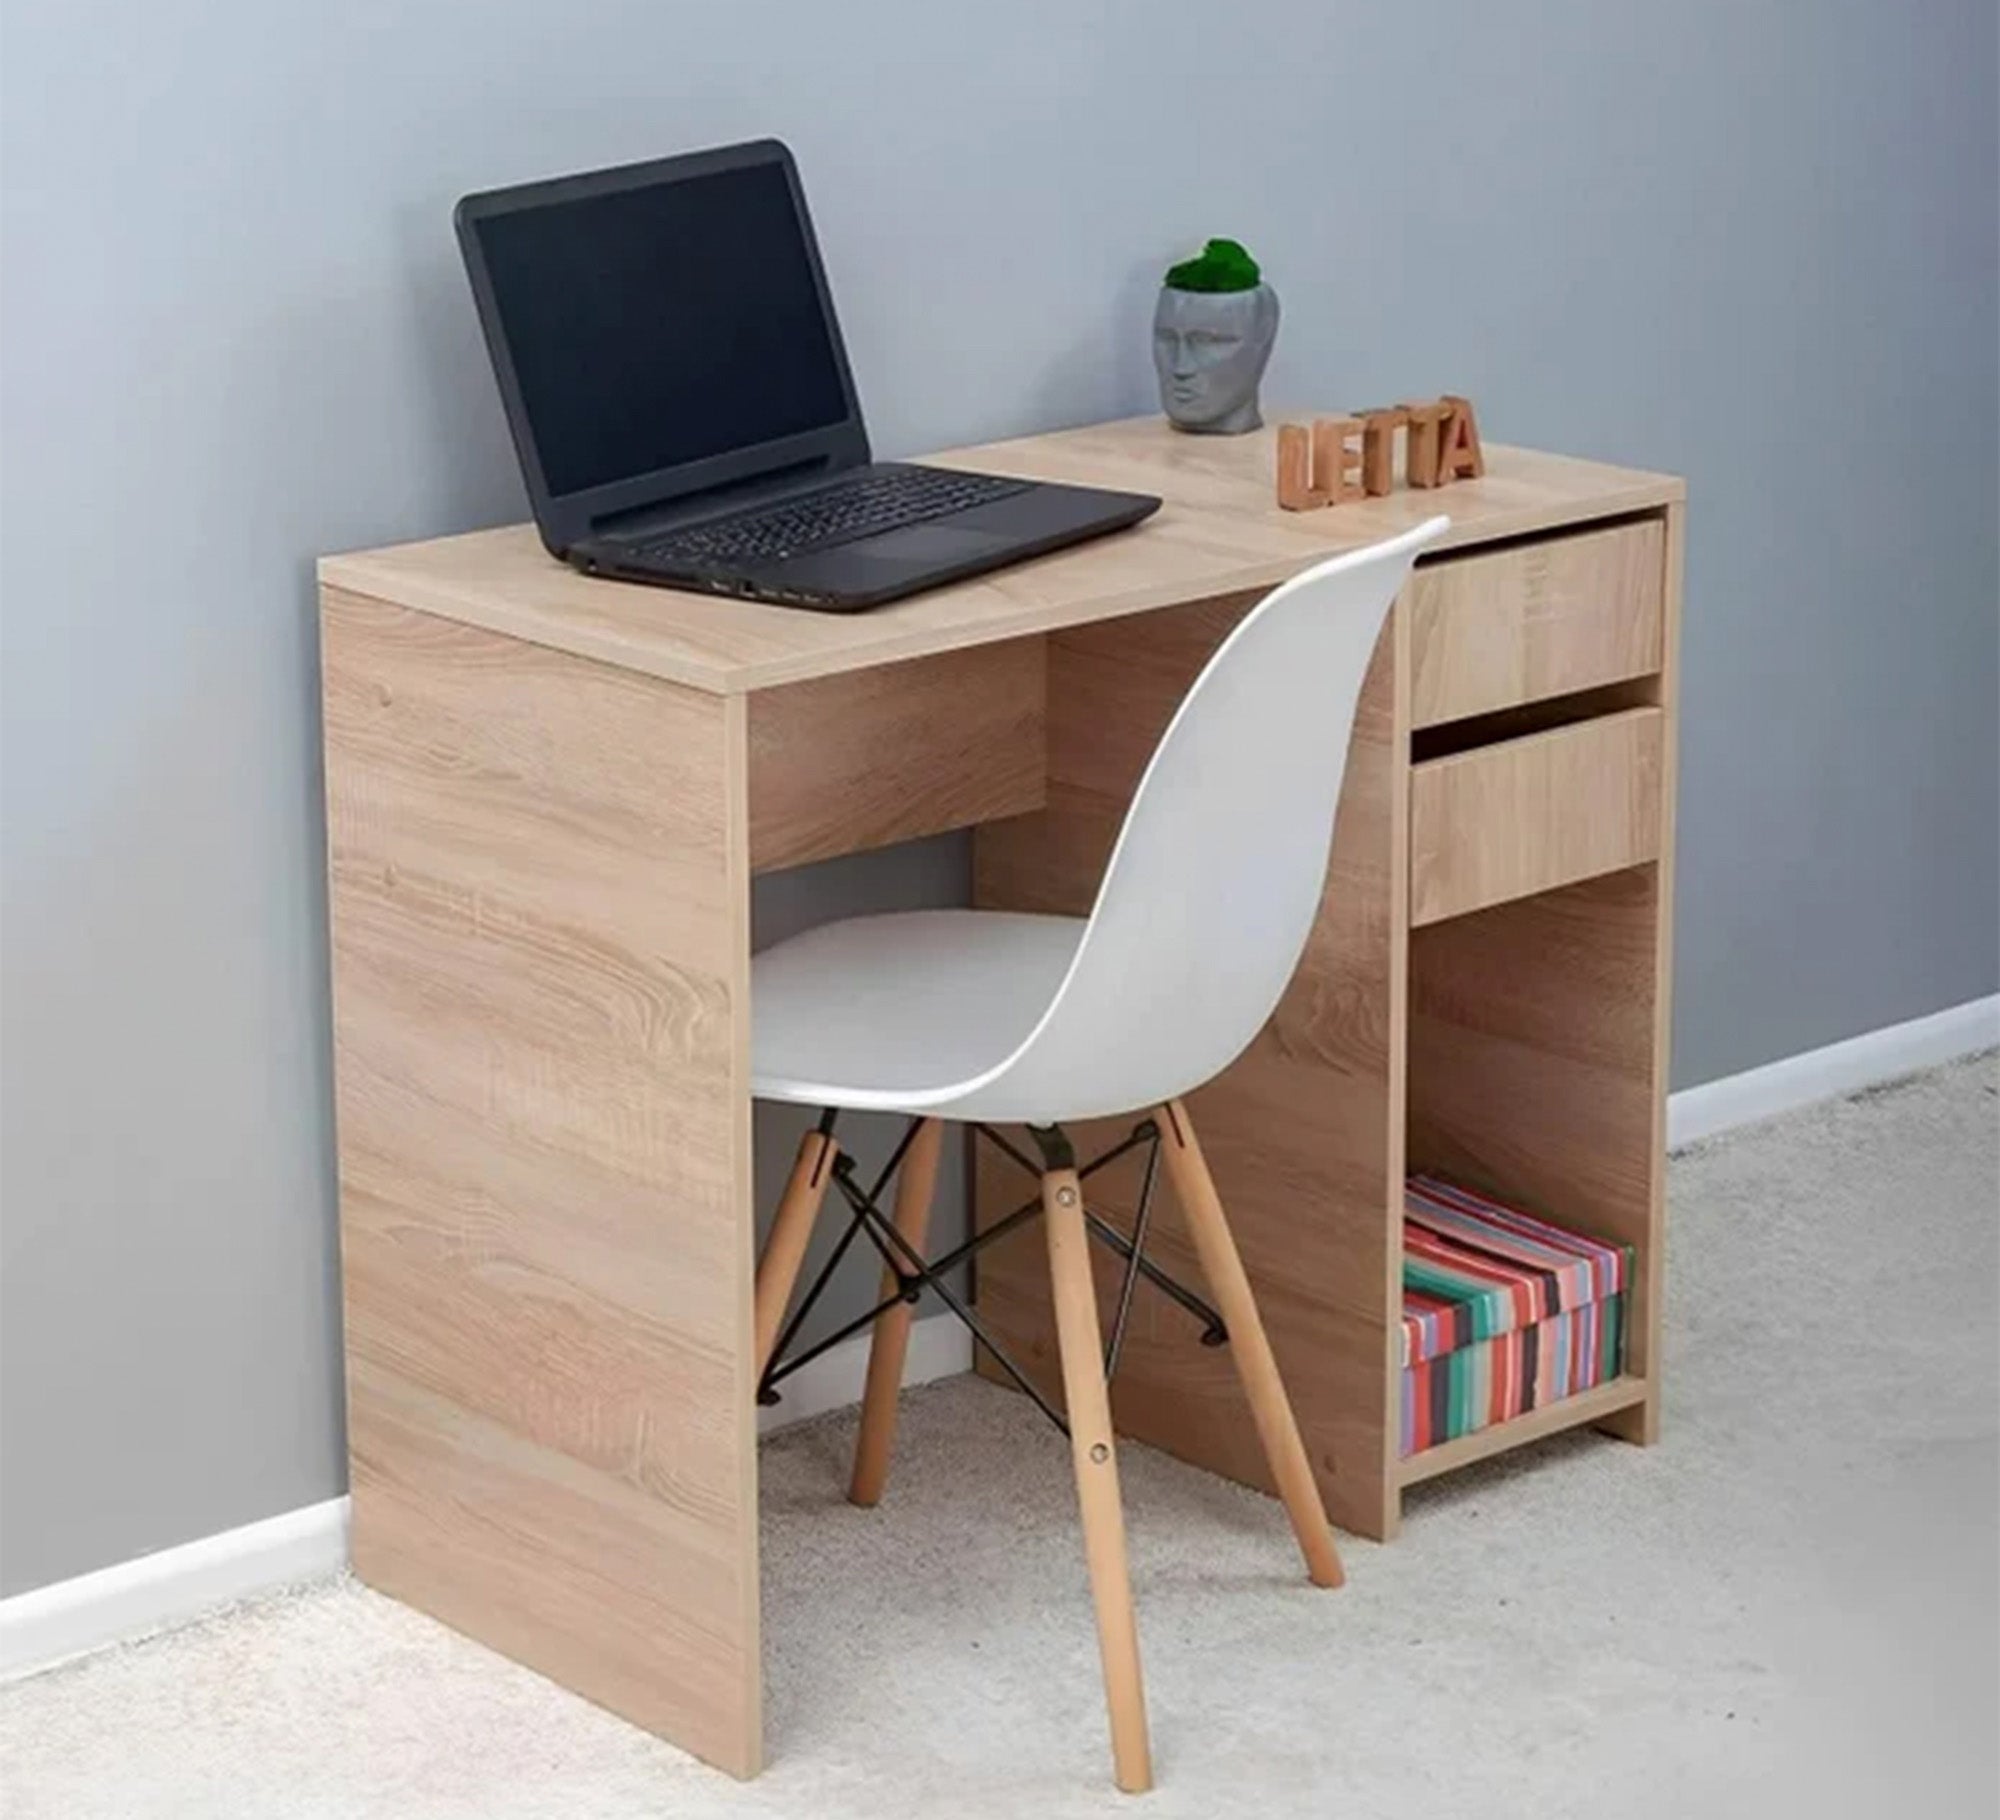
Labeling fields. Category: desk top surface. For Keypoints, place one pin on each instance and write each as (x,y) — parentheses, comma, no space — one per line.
(1220,531)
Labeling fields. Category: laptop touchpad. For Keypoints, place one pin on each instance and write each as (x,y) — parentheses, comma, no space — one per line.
(933,543)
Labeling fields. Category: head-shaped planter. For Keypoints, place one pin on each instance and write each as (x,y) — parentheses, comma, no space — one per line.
(1212,336)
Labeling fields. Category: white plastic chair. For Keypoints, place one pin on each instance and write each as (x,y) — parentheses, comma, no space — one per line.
(996,1017)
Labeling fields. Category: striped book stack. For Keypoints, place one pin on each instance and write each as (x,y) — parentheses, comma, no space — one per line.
(1502,1312)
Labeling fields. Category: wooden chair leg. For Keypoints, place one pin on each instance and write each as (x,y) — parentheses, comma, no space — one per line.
(1094,1453)
(1255,1366)
(916,1181)
(785,1249)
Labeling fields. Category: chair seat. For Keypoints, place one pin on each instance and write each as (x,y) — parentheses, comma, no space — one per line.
(890,1012)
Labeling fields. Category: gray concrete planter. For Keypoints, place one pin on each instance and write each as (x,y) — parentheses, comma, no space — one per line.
(1210,349)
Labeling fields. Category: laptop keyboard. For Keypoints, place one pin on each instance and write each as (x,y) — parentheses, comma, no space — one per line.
(834,515)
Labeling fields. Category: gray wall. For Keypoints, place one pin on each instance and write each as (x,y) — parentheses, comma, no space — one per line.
(1752,243)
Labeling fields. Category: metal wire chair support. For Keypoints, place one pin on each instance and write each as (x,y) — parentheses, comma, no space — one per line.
(914,1274)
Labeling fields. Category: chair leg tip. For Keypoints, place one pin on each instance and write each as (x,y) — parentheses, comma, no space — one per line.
(1324,1567)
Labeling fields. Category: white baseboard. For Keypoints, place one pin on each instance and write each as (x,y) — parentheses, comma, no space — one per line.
(1840,1068)
(939,1348)
(73,1617)
(54,1623)
(118,1604)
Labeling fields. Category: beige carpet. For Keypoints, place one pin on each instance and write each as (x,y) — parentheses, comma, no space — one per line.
(1788,1608)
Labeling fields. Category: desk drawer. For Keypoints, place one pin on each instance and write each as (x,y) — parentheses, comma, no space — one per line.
(1540,619)
(1526,815)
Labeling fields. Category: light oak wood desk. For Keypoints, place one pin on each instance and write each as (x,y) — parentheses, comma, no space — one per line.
(546,799)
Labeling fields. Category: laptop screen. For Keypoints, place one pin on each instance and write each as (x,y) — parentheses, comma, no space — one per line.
(654,326)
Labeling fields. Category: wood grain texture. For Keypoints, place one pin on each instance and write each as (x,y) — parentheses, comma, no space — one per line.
(1640,1423)
(1529,814)
(539,878)
(1464,454)
(1535,619)
(1521,1047)
(1249,1347)
(1220,531)
(785,1245)
(1535,1057)
(1337,458)
(1602,1403)
(1378,450)
(889,1340)
(1455,736)
(1423,440)
(1094,1456)
(540,867)
(1303,1133)
(874,756)
(1296,492)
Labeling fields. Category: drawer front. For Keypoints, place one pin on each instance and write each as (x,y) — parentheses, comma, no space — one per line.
(1526,815)
(1541,619)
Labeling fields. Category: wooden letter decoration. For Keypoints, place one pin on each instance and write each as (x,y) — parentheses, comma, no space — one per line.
(1295,476)
(1341,458)
(1378,450)
(1461,458)
(1336,453)
(1420,453)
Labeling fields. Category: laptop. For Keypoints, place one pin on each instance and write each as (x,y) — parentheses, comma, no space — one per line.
(679,396)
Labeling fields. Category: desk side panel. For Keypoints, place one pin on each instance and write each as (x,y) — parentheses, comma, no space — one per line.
(539,897)
(1303,1132)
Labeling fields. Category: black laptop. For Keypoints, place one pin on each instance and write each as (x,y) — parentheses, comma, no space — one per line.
(679,396)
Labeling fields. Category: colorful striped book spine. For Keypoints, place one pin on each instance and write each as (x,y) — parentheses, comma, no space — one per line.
(1503,1312)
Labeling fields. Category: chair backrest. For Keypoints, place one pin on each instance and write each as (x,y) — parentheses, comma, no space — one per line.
(1217,875)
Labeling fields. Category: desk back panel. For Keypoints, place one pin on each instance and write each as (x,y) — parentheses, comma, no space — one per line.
(845,763)
(539,898)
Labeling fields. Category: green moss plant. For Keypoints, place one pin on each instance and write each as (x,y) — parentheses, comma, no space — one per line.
(1222,265)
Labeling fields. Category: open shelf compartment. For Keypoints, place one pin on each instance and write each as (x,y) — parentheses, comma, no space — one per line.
(1534,1075)
(1506,1311)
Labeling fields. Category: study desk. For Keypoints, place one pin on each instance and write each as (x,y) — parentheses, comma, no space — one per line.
(546,797)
